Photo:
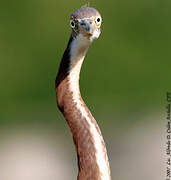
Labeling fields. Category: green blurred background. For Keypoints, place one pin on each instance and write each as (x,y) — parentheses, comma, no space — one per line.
(124,80)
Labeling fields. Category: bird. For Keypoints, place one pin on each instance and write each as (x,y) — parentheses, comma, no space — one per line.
(93,163)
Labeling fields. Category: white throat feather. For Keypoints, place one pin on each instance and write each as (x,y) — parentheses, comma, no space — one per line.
(79,47)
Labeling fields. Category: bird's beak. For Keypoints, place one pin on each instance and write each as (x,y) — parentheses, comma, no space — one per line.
(85,25)
(88,25)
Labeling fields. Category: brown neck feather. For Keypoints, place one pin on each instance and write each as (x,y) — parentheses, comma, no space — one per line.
(86,134)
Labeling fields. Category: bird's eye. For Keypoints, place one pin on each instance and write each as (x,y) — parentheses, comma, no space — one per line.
(98,20)
(72,24)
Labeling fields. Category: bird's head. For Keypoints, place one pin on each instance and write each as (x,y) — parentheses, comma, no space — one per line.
(86,22)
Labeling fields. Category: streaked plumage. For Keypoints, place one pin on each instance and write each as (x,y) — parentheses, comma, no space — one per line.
(92,156)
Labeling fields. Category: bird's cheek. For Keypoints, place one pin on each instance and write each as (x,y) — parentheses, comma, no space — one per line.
(96,34)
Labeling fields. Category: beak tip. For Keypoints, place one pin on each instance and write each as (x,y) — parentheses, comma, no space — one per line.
(87,28)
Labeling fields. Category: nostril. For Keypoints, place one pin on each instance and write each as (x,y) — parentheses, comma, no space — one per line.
(82,23)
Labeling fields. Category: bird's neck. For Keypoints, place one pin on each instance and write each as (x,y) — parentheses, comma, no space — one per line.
(78,50)
(92,157)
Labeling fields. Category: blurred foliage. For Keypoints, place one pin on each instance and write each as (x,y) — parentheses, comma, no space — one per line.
(126,71)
